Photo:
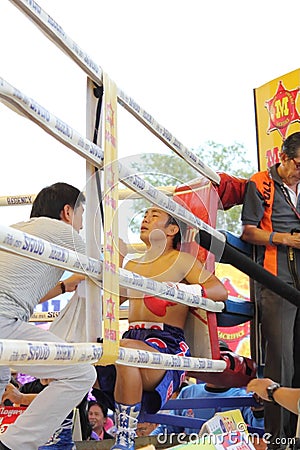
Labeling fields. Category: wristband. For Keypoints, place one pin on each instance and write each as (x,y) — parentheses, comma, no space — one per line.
(62,287)
(271,238)
(270,391)
(203,292)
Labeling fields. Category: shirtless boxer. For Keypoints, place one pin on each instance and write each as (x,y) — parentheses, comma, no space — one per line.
(155,324)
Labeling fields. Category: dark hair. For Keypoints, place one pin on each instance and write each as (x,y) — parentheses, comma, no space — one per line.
(223,346)
(181,232)
(103,408)
(181,386)
(51,200)
(291,145)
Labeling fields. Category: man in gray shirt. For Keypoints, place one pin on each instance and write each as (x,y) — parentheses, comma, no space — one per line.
(56,216)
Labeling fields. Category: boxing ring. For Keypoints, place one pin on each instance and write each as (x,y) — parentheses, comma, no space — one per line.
(100,154)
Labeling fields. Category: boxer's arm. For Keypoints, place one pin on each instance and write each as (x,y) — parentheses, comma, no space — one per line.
(197,274)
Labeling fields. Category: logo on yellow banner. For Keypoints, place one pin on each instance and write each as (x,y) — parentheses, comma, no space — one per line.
(282,110)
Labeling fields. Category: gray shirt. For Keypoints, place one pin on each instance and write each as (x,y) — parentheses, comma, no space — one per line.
(23,282)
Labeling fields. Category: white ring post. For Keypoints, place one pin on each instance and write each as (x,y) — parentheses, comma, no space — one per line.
(92,228)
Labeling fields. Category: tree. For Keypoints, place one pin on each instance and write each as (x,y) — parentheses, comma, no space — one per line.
(170,170)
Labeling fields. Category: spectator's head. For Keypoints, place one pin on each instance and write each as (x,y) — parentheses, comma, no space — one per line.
(289,169)
(223,346)
(179,389)
(60,201)
(97,415)
(145,428)
(291,145)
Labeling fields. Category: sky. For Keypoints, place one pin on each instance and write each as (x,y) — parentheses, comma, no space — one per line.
(193,65)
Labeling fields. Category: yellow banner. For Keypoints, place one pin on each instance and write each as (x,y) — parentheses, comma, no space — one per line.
(277,105)
(111,234)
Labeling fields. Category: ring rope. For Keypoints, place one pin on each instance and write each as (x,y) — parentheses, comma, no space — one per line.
(28,199)
(57,35)
(17,352)
(54,126)
(17,200)
(82,146)
(30,246)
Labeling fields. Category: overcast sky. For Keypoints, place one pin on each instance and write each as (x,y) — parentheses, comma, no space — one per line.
(192,64)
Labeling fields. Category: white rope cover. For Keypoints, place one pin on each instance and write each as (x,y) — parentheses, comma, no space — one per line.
(28,199)
(16,353)
(148,191)
(17,200)
(56,127)
(57,35)
(85,148)
(24,244)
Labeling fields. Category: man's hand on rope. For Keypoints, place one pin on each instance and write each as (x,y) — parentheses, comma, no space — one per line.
(72,282)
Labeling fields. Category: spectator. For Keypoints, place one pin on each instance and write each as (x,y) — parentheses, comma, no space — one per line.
(145,428)
(62,438)
(35,386)
(97,417)
(104,401)
(252,417)
(270,219)
(24,394)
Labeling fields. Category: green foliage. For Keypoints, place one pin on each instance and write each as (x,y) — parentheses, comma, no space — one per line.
(171,170)
(231,159)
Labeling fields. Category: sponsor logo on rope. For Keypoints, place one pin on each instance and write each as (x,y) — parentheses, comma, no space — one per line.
(19,200)
(33,5)
(39,110)
(38,352)
(64,352)
(33,245)
(58,253)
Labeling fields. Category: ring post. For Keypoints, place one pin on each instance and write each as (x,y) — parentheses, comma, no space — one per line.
(111,233)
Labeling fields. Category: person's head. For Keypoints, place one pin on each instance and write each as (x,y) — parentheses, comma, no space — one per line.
(291,146)
(158,224)
(223,346)
(97,416)
(290,156)
(145,428)
(60,201)
(179,389)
